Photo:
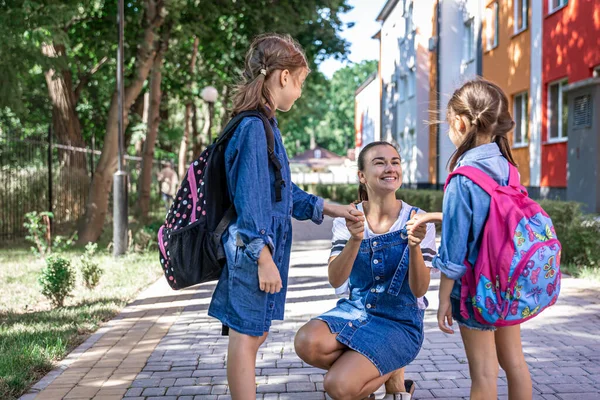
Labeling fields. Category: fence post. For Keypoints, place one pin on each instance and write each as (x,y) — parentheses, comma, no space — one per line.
(50,171)
(92,156)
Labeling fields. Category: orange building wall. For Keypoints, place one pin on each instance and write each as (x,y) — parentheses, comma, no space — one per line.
(507,65)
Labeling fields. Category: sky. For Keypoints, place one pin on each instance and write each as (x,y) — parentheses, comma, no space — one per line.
(362,47)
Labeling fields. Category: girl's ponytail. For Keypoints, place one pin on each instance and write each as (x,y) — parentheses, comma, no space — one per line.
(485,105)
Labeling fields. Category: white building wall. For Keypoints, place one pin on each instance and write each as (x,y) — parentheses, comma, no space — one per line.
(405,73)
(454,69)
(368,113)
(391,30)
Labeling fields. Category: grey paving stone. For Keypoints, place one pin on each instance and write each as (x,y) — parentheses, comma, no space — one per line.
(158,391)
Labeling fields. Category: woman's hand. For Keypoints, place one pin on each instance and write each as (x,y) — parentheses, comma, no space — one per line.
(444,316)
(356,225)
(416,230)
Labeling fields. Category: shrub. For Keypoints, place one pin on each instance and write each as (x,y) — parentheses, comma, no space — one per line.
(90,269)
(578,233)
(38,228)
(57,279)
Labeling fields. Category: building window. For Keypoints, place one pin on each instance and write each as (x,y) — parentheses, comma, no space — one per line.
(554,5)
(469,40)
(558,111)
(521,8)
(411,18)
(402,88)
(491,26)
(521,133)
(412,77)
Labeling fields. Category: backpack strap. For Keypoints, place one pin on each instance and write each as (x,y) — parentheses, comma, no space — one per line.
(514,179)
(479,177)
(232,125)
(230,214)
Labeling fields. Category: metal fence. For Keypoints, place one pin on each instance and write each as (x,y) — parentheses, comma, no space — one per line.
(39,175)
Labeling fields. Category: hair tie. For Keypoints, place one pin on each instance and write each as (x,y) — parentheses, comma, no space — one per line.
(263,71)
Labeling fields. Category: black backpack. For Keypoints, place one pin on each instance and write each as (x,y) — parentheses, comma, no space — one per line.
(189,241)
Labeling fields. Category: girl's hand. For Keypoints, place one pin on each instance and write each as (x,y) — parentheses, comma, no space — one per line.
(444,316)
(340,211)
(416,230)
(356,225)
(269,278)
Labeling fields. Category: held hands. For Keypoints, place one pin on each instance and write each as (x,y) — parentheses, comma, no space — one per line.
(269,278)
(341,211)
(356,223)
(444,316)
(416,229)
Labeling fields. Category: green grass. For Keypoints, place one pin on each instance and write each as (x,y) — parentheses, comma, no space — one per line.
(33,335)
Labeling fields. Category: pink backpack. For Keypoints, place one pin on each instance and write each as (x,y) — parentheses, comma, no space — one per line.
(517,272)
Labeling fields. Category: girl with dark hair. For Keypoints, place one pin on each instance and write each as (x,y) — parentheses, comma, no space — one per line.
(251,291)
(383,260)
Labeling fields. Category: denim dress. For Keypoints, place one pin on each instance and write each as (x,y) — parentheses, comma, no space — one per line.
(466,207)
(381,318)
(261,221)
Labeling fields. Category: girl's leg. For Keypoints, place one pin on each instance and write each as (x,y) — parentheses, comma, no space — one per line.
(241,364)
(353,377)
(483,362)
(317,346)
(512,361)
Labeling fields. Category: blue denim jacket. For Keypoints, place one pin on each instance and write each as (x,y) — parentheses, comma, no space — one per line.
(465,209)
(261,221)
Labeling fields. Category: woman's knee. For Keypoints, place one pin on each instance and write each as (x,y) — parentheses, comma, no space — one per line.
(339,387)
(307,345)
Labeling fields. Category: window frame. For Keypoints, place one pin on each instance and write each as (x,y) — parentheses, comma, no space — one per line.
(524,123)
(470,57)
(495,16)
(562,4)
(562,137)
(524,10)
(411,83)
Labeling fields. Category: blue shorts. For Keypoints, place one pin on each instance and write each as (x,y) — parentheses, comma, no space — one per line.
(471,322)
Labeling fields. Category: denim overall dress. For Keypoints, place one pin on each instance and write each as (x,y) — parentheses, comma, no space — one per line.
(381,318)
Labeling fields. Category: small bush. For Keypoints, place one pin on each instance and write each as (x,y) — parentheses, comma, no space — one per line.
(38,228)
(57,279)
(578,233)
(90,269)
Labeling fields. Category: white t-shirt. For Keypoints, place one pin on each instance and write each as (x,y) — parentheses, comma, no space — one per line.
(341,235)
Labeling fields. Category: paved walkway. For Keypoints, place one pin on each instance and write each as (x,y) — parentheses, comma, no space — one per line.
(164,346)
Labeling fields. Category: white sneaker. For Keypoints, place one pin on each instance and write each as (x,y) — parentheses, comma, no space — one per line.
(398,396)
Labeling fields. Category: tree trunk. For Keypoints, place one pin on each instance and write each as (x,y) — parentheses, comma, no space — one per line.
(225,102)
(183,149)
(97,204)
(65,122)
(198,142)
(152,132)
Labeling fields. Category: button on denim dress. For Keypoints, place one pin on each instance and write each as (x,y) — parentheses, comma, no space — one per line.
(381,319)
(261,221)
